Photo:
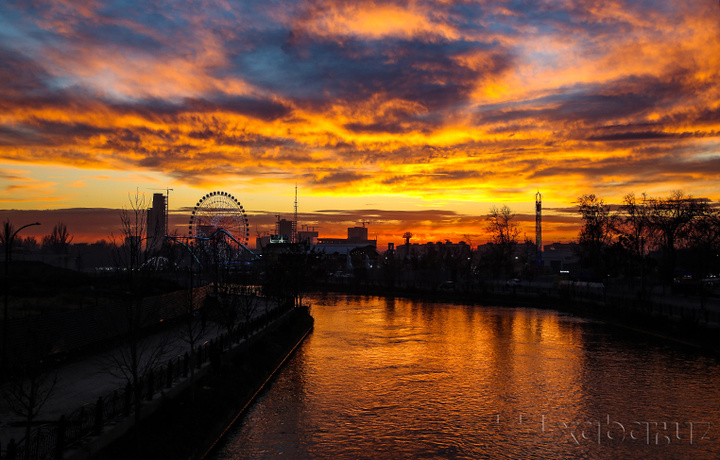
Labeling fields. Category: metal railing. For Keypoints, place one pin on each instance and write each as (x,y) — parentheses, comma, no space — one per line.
(51,440)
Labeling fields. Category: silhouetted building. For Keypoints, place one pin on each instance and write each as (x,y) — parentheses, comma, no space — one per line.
(357,234)
(357,237)
(307,236)
(408,250)
(156,219)
(560,257)
(355,247)
(261,242)
(284,229)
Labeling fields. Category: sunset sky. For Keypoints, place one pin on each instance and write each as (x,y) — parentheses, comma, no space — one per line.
(415,116)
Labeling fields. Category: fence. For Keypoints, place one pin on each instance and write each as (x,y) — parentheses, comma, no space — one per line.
(51,440)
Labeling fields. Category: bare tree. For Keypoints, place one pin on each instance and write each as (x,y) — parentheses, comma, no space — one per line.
(503,230)
(672,219)
(31,382)
(633,223)
(138,353)
(6,235)
(58,241)
(634,231)
(133,219)
(29,243)
(504,233)
(248,304)
(27,391)
(194,325)
(596,233)
(703,247)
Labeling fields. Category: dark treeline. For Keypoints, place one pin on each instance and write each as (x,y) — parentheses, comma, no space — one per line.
(662,240)
(642,240)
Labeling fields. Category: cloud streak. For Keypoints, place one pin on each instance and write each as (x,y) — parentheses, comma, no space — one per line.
(482,101)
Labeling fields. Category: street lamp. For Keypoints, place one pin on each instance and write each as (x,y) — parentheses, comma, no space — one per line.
(8,237)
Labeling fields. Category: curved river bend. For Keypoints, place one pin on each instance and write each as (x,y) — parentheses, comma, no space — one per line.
(396,378)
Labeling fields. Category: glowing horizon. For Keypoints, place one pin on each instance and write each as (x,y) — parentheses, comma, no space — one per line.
(384,108)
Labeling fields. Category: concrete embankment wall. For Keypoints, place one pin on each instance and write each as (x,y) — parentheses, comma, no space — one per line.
(189,425)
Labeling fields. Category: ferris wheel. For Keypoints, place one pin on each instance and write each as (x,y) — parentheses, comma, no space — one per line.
(219,211)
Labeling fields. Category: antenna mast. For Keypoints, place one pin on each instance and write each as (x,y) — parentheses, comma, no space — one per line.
(294,238)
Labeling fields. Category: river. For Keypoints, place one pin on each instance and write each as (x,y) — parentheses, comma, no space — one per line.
(396,378)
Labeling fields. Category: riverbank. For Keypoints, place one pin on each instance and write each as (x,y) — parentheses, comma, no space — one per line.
(187,426)
(671,321)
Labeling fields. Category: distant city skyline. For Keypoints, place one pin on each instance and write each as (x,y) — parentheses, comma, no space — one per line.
(88,225)
(415,116)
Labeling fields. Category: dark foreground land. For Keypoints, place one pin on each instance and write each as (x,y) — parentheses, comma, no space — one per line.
(188,426)
(36,288)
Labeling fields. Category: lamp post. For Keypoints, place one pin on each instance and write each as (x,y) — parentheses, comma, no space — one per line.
(8,237)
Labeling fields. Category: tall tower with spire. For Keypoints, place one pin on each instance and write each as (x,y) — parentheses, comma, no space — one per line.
(538,226)
(294,235)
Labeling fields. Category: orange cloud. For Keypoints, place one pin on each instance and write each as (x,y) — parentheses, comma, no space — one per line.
(435,101)
(374,21)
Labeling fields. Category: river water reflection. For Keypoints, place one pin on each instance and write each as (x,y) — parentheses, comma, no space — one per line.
(395,378)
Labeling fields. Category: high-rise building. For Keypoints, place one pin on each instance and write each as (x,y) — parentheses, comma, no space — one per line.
(156,220)
(285,229)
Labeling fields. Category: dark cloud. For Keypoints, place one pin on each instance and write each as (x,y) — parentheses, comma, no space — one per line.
(592,106)
(379,217)
(633,136)
(335,178)
(263,109)
(84,224)
(160,109)
(379,127)
(449,175)
(647,170)
(20,75)
(417,71)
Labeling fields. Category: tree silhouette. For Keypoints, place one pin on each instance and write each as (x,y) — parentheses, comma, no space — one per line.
(58,241)
(138,353)
(596,233)
(672,220)
(504,233)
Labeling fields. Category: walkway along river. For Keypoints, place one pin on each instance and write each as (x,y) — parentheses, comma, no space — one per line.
(395,378)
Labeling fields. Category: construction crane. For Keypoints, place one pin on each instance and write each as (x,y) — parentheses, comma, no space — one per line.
(363,222)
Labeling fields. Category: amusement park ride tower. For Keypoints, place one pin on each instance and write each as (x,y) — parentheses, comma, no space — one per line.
(538,226)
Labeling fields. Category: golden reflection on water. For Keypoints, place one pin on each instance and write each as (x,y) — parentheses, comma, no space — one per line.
(398,378)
